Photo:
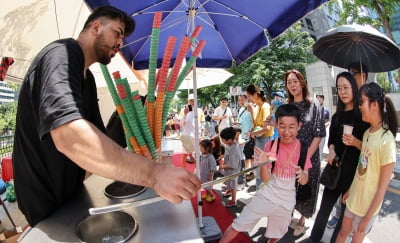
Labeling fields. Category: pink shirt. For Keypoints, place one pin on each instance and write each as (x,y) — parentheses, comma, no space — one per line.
(281,187)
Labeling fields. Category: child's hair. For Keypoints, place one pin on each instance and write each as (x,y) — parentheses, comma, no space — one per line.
(375,93)
(237,129)
(228,133)
(206,143)
(305,92)
(356,97)
(288,110)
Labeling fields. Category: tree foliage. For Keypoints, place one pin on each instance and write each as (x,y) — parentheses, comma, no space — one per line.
(8,112)
(352,13)
(291,50)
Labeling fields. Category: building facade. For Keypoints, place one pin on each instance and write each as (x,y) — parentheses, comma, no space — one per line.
(321,20)
(6,94)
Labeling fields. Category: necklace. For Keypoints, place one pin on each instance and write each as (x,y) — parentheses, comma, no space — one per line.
(282,170)
(376,128)
(372,130)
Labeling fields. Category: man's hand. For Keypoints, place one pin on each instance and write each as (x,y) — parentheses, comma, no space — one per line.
(175,184)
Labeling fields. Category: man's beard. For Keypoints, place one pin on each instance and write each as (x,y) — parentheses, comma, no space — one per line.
(102,50)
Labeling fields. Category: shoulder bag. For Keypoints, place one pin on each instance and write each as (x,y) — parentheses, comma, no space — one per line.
(331,173)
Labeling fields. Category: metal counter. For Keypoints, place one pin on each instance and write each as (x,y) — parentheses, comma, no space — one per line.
(157,222)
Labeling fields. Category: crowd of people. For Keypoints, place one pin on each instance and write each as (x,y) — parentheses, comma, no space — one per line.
(366,166)
(60,136)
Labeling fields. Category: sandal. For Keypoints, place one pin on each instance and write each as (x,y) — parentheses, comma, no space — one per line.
(299,229)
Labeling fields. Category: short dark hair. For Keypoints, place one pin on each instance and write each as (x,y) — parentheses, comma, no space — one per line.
(223,98)
(320,95)
(357,66)
(237,129)
(114,14)
(288,110)
(228,133)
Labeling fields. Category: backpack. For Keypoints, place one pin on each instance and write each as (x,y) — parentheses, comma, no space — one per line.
(303,192)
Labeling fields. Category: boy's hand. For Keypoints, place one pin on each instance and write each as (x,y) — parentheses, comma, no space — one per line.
(301,175)
(260,156)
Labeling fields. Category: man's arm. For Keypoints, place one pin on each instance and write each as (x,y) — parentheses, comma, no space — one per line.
(216,116)
(93,151)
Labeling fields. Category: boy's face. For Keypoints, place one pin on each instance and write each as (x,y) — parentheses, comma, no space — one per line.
(288,128)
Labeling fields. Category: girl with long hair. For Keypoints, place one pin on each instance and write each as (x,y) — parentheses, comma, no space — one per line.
(374,170)
(346,146)
(311,133)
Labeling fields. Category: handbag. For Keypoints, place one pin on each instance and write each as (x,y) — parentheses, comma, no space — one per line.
(331,173)
(248,148)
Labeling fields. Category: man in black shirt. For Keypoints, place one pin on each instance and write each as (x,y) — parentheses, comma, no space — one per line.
(59,132)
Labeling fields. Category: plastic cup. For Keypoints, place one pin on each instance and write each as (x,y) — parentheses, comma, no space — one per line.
(347,129)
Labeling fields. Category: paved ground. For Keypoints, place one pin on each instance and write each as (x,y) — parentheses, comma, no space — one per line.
(385,229)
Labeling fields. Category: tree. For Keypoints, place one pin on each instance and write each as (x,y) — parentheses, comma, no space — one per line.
(206,95)
(8,112)
(382,8)
(383,81)
(291,50)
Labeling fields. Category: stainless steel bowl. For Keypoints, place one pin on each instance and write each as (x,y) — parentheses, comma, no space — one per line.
(121,190)
(107,228)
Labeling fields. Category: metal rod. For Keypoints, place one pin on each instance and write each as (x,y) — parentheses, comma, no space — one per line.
(122,206)
(225,178)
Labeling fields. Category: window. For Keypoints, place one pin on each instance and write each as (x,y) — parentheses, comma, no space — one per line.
(334,96)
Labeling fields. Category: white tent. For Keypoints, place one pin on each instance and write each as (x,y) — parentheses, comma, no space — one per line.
(29,25)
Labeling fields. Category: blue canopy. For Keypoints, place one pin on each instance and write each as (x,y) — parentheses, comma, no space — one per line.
(234,30)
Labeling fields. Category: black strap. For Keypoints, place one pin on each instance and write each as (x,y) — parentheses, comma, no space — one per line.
(303,155)
(241,113)
(219,122)
(341,159)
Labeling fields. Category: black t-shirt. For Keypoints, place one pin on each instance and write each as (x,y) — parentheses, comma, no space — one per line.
(53,93)
(350,160)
